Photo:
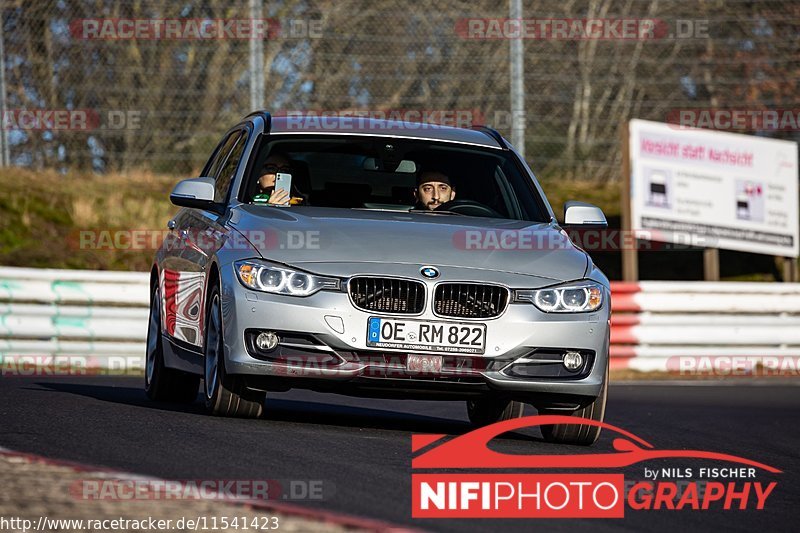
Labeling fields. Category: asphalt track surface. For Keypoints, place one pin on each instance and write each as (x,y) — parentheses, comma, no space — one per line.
(360,448)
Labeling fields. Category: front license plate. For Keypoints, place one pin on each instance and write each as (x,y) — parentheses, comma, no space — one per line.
(426,335)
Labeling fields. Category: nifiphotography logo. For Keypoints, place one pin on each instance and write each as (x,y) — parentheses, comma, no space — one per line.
(585,485)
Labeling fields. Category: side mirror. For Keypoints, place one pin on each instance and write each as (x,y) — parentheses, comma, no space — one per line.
(195,192)
(583,214)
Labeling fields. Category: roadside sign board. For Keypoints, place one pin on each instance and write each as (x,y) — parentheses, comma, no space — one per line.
(714,189)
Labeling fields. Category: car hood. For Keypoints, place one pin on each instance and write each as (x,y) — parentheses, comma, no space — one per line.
(343,242)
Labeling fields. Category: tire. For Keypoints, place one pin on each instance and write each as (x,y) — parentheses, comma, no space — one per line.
(581,434)
(485,411)
(225,394)
(162,383)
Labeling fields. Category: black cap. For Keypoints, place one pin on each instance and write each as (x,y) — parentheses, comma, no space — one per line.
(427,176)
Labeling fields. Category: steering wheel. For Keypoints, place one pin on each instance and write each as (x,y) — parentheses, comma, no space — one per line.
(469,207)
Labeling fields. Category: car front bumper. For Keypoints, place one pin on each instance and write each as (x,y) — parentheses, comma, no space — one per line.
(337,358)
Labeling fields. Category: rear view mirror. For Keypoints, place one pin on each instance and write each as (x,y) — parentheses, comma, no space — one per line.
(195,192)
(406,166)
(583,214)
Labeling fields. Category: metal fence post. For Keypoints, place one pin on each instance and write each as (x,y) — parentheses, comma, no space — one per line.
(517,84)
(256,60)
(5,157)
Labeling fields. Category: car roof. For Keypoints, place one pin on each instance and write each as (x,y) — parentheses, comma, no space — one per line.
(311,123)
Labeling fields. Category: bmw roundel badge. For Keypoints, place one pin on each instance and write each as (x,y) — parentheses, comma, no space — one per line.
(429,272)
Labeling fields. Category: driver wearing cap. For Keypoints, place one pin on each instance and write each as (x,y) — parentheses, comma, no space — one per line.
(433,189)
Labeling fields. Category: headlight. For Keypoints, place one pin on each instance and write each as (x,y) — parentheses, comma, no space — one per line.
(267,277)
(577,297)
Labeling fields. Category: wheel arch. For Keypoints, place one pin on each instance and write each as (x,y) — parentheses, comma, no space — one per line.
(213,277)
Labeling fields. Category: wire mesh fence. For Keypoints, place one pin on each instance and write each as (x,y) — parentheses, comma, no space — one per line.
(114,85)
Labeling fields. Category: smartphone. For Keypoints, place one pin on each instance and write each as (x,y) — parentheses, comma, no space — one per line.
(283,181)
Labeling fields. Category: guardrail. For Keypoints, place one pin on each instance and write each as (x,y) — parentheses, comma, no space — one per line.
(73,312)
(104,314)
(657,325)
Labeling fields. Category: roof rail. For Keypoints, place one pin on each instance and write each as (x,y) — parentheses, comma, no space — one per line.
(494,134)
(264,115)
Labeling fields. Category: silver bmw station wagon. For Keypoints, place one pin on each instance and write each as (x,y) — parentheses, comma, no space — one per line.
(379,259)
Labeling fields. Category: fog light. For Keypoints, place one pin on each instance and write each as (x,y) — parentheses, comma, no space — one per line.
(267,341)
(572,361)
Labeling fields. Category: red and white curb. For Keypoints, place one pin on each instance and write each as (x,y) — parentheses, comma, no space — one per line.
(287,509)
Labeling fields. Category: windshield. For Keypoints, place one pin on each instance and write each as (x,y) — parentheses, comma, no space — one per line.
(393,174)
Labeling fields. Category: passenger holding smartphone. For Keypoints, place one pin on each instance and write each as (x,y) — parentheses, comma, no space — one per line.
(275,163)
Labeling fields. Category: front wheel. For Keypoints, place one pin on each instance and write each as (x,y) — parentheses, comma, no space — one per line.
(582,434)
(485,411)
(226,394)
